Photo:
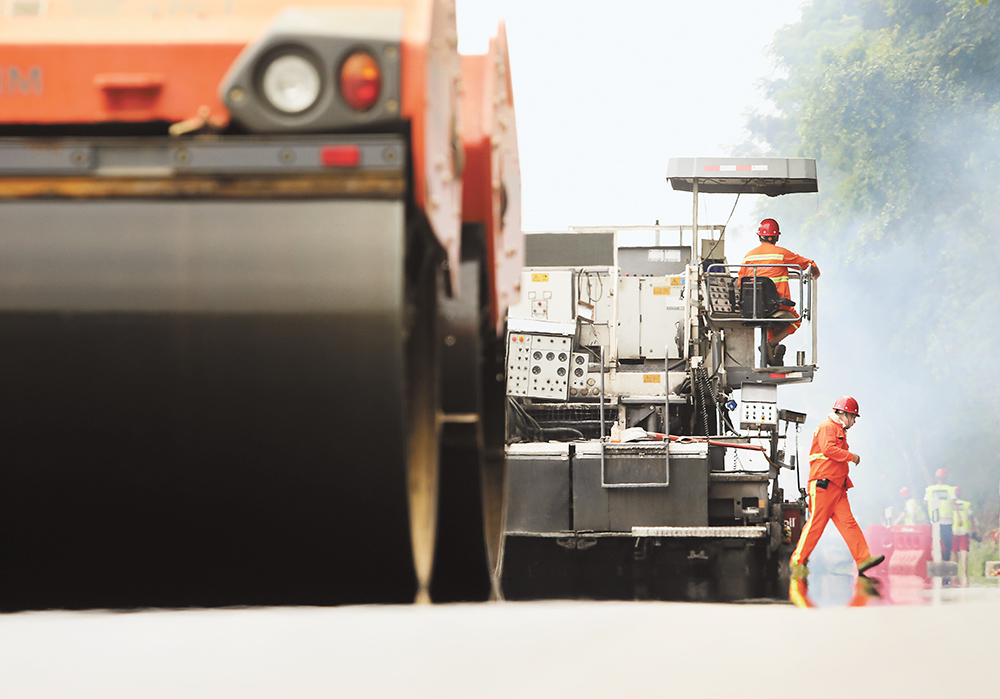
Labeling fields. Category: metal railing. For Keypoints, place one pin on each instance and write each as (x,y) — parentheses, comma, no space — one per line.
(605,482)
(806,301)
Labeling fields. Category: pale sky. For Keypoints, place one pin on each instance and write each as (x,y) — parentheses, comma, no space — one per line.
(607,91)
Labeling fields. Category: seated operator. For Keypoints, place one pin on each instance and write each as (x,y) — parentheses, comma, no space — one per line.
(765,254)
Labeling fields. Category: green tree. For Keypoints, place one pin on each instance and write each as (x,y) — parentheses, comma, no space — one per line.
(899,102)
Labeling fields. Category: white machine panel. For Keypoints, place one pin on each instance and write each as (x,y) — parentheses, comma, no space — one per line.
(538,366)
(648,313)
(754,415)
(518,363)
(550,357)
(661,303)
(758,406)
(638,383)
(578,370)
(546,294)
(628,318)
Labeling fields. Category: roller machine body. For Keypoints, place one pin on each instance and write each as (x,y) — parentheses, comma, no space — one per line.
(247,313)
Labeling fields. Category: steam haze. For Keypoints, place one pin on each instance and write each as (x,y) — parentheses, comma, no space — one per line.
(903,230)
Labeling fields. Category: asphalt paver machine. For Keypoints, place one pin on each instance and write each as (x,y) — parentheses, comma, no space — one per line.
(631,475)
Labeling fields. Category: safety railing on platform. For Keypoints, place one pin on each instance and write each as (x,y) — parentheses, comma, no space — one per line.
(727,305)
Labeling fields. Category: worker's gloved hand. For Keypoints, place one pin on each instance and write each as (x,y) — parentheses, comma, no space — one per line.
(856,459)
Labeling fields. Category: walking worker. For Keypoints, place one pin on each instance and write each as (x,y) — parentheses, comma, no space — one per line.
(829,465)
(940,499)
(777,260)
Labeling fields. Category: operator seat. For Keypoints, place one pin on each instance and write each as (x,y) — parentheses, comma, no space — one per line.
(759,300)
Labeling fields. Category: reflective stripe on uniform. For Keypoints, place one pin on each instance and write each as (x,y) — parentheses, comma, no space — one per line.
(797,593)
(805,530)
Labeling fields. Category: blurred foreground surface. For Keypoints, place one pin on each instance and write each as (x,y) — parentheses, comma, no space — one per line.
(936,644)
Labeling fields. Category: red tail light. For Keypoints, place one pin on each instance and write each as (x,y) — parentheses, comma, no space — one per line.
(340,156)
(360,80)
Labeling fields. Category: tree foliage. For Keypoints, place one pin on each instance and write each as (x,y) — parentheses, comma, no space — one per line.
(899,102)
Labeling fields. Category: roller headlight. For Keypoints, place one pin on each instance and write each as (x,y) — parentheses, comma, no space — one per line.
(291,83)
(320,69)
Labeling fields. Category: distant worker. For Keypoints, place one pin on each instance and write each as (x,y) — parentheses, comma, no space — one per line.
(940,499)
(777,261)
(963,526)
(913,511)
(829,465)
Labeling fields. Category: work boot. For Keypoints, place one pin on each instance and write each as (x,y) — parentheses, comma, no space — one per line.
(869,563)
(776,355)
(868,587)
(799,571)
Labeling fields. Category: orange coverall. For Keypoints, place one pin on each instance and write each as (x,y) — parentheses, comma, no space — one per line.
(767,253)
(830,458)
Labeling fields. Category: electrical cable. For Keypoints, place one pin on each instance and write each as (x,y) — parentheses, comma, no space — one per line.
(676,364)
(534,432)
(526,424)
(600,283)
(698,382)
(562,434)
(732,211)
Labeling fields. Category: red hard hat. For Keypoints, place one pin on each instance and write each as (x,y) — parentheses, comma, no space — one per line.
(941,473)
(904,492)
(768,227)
(847,404)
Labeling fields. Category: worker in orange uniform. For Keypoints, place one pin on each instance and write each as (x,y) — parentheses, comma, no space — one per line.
(829,480)
(776,261)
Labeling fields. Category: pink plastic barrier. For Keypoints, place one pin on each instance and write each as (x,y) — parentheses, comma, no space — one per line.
(911,549)
(906,547)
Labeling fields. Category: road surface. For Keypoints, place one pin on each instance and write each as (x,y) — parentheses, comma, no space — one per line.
(534,649)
